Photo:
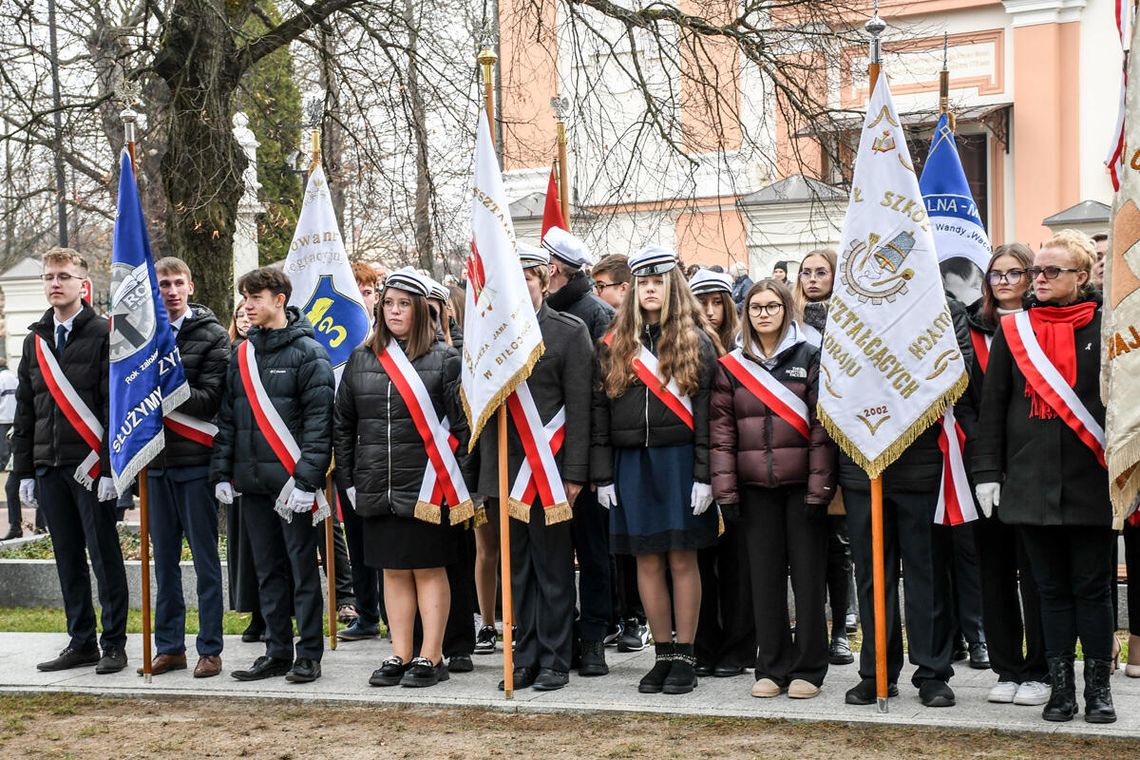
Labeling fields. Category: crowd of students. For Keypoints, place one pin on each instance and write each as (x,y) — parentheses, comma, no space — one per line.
(667,440)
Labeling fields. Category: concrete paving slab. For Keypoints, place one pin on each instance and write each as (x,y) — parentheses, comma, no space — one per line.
(346,671)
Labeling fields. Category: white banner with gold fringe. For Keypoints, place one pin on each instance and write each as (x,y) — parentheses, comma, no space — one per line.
(891,363)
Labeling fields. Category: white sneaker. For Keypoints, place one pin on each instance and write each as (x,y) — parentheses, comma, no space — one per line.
(1003,692)
(1032,693)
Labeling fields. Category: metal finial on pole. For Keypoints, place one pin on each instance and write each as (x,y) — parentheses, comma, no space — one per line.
(944,79)
(561,106)
(875,27)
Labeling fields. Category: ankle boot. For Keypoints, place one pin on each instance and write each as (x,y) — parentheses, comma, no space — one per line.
(654,681)
(682,676)
(1062,705)
(1098,694)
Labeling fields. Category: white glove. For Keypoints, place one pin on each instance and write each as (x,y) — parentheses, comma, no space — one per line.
(302,501)
(28,491)
(989,496)
(702,497)
(351,493)
(224,492)
(106,489)
(607,496)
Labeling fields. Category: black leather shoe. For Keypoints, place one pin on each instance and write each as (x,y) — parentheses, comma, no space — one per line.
(704,670)
(71,658)
(389,673)
(1062,704)
(304,670)
(726,671)
(551,680)
(113,660)
(979,656)
(523,678)
(264,667)
(460,663)
(839,653)
(960,651)
(863,693)
(14,532)
(422,672)
(936,693)
(253,633)
(592,659)
(1098,696)
(358,631)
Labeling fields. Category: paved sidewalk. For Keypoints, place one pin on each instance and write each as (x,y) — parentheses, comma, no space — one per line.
(347,669)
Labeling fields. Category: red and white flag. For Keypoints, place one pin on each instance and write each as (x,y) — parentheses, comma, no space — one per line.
(501,338)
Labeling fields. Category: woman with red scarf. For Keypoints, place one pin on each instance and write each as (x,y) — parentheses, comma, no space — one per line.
(1041,428)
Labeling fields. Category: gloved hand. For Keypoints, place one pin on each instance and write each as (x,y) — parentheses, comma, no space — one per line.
(28,491)
(106,489)
(607,496)
(989,496)
(301,501)
(702,497)
(351,493)
(224,492)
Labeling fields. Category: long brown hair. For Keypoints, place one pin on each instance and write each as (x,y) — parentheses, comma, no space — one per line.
(749,337)
(420,338)
(678,351)
(799,297)
(1024,256)
(725,336)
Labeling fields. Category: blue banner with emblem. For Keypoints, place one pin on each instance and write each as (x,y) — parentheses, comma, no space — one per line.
(147,380)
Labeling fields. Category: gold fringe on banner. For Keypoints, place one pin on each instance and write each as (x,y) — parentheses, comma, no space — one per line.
(465,510)
(1124,479)
(499,398)
(481,516)
(558,513)
(518,510)
(428,512)
(719,523)
(874,468)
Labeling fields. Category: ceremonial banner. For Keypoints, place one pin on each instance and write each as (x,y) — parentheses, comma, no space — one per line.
(324,288)
(501,339)
(958,230)
(146,380)
(552,209)
(1120,322)
(891,365)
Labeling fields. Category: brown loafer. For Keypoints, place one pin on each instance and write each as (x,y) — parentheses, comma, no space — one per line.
(208,665)
(165,663)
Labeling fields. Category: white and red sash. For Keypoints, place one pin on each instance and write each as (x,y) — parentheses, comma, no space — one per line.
(775,395)
(276,433)
(75,409)
(669,393)
(196,430)
(1048,383)
(982,343)
(955,497)
(538,474)
(437,442)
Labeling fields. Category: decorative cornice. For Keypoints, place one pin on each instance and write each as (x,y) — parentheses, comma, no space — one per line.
(1034,12)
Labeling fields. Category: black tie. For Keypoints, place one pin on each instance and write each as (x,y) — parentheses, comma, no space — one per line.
(60,339)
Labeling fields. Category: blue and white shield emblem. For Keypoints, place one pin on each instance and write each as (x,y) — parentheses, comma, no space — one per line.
(339,322)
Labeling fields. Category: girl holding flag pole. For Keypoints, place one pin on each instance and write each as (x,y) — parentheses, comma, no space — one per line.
(772,460)
(399,433)
(650,455)
(1040,457)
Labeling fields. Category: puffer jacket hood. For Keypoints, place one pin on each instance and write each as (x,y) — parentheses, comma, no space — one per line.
(577,298)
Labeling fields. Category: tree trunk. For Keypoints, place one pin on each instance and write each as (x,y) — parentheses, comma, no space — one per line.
(425,247)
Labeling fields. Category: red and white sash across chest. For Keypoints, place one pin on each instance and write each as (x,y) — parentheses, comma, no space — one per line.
(763,385)
(196,430)
(538,474)
(276,433)
(75,410)
(442,476)
(982,343)
(645,366)
(1048,383)
(955,497)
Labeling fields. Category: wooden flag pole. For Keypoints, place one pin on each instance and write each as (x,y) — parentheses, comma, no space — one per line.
(487,60)
(563,173)
(330,559)
(129,118)
(875,27)
(944,83)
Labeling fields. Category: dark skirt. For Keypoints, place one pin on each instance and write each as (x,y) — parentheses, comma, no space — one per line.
(405,543)
(654,512)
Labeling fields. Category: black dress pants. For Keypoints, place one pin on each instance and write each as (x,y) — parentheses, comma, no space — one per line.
(965,581)
(79,525)
(285,556)
(1011,606)
(342,570)
(459,636)
(840,581)
(1074,572)
(590,528)
(726,629)
(783,535)
(367,582)
(908,541)
(1132,561)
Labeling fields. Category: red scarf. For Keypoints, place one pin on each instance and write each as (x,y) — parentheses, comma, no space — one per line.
(1054,327)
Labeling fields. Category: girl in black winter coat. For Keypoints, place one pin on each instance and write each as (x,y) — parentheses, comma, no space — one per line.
(382,462)
(1037,457)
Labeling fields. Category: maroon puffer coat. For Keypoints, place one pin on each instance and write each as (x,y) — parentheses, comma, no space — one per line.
(752,446)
